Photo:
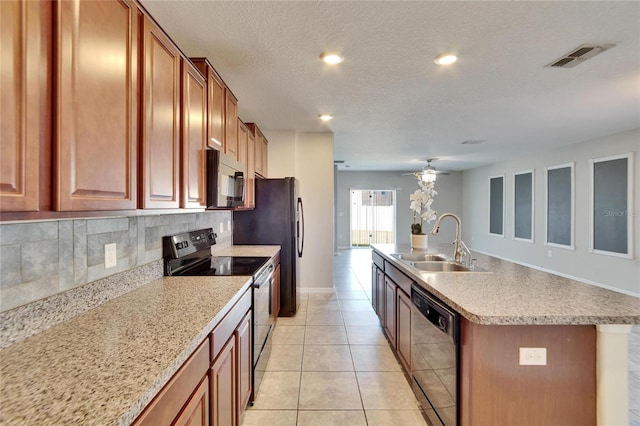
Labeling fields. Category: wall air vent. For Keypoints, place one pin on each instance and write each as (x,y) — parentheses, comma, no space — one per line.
(338,161)
(579,55)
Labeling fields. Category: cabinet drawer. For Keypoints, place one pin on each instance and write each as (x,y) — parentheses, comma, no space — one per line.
(226,327)
(403,281)
(377,259)
(169,402)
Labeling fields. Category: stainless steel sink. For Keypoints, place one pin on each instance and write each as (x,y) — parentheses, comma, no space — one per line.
(440,267)
(420,257)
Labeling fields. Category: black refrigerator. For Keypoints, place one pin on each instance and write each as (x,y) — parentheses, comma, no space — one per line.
(277,219)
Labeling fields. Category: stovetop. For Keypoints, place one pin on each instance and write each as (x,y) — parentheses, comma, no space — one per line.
(221,266)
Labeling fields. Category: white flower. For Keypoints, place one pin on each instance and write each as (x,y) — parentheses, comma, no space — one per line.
(421,201)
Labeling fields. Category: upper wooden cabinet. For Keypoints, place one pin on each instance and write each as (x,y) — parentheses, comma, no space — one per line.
(215,103)
(159,177)
(96,105)
(25,121)
(250,179)
(261,164)
(231,124)
(194,137)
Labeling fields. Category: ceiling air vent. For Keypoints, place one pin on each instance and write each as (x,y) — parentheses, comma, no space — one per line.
(579,55)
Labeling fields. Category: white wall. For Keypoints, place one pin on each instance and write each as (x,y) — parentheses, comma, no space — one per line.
(449,199)
(617,273)
(309,157)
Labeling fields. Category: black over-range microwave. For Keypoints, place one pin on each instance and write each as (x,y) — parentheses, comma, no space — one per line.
(225,180)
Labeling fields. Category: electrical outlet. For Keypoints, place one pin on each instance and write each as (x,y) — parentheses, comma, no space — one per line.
(221,227)
(110,256)
(228,225)
(533,356)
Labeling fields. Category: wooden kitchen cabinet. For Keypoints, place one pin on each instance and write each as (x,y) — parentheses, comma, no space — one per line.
(390,310)
(250,178)
(215,104)
(231,124)
(160,175)
(194,137)
(403,327)
(25,121)
(96,105)
(224,397)
(276,291)
(245,362)
(182,400)
(261,157)
(196,412)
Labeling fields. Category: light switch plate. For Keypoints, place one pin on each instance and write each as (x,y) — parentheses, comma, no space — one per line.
(110,255)
(533,356)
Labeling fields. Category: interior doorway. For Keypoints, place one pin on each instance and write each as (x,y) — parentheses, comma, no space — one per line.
(373,217)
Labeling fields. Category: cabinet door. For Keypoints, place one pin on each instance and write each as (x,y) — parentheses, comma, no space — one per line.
(243,135)
(215,110)
(250,179)
(196,412)
(276,291)
(381,294)
(404,329)
(265,157)
(390,310)
(25,78)
(96,105)
(258,153)
(194,137)
(243,336)
(223,387)
(231,124)
(161,122)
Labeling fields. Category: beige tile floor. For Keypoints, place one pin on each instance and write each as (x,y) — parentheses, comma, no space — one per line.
(331,365)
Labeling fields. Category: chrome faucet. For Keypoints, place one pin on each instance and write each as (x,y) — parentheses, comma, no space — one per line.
(459,244)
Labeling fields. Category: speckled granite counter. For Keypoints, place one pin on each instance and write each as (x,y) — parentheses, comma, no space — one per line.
(509,293)
(105,365)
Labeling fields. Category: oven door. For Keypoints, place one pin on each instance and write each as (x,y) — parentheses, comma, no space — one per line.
(263,321)
(434,358)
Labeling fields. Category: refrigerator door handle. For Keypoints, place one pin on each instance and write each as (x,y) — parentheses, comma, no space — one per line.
(299,225)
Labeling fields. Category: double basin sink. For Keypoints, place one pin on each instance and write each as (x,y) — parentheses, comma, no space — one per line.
(430,262)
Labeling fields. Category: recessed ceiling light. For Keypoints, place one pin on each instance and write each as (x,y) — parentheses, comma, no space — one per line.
(445,59)
(325,117)
(331,58)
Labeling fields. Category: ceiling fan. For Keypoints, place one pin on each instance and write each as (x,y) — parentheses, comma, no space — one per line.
(429,172)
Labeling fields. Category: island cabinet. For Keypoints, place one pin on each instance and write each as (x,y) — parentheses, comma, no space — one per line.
(231,364)
(398,304)
(25,122)
(496,389)
(194,137)
(160,140)
(185,399)
(215,103)
(377,285)
(96,105)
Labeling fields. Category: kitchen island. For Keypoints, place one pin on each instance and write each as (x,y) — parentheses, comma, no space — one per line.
(504,307)
(106,365)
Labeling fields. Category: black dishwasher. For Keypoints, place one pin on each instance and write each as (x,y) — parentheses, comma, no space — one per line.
(435,336)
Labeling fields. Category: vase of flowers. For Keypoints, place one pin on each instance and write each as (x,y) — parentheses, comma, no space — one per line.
(421,201)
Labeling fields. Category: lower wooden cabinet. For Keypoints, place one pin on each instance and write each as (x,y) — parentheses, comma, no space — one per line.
(403,328)
(243,337)
(379,283)
(224,397)
(178,401)
(390,310)
(196,412)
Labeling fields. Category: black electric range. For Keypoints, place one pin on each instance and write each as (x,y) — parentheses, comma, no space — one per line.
(189,254)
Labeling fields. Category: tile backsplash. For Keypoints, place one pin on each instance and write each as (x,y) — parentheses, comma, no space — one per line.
(42,259)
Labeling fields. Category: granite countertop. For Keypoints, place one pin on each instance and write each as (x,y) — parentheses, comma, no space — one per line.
(510,294)
(105,365)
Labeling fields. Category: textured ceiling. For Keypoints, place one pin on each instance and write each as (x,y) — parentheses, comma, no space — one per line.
(392,105)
